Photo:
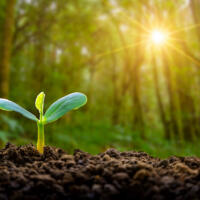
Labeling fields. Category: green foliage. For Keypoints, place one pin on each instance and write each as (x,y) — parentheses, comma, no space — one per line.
(13,129)
(55,111)
(13,125)
(102,52)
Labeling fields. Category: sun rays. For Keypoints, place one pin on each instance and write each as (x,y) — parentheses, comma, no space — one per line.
(157,37)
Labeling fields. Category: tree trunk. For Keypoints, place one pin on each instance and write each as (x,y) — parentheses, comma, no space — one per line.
(5,48)
(195,5)
(39,52)
(138,118)
(173,101)
(189,119)
(162,113)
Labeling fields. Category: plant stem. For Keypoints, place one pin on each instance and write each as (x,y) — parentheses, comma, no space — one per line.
(40,141)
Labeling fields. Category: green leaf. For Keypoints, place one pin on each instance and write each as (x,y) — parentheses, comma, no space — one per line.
(63,105)
(39,102)
(11,106)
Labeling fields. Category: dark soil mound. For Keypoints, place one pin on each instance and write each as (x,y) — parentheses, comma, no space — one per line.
(25,174)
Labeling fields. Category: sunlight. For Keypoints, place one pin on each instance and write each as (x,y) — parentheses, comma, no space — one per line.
(184,54)
(158,37)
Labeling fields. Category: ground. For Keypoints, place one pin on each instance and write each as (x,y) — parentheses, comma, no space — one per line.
(25,174)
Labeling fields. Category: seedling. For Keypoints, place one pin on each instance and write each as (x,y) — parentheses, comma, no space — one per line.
(54,112)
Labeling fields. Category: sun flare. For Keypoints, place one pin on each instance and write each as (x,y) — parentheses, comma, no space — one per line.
(158,37)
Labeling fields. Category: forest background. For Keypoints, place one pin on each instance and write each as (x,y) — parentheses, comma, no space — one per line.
(141,96)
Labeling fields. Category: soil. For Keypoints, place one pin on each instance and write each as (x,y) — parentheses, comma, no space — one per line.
(112,175)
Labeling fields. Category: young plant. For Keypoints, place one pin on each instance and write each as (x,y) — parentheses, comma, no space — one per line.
(54,112)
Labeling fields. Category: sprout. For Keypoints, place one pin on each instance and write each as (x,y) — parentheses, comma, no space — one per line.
(54,112)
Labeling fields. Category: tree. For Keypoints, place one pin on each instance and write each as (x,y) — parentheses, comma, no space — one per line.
(6,47)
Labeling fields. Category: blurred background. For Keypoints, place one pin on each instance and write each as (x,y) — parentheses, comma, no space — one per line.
(137,61)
